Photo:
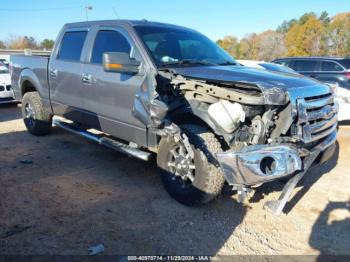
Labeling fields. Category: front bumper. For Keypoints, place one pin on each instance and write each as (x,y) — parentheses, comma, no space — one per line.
(263,163)
(7,96)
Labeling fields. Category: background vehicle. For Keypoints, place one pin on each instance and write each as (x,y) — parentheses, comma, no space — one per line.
(329,70)
(6,93)
(324,69)
(4,62)
(267,66)
(169,90)
(343,99)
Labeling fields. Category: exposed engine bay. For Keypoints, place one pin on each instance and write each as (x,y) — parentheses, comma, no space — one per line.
(239,112)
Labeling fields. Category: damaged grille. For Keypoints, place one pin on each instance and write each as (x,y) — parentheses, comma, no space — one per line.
(316,114)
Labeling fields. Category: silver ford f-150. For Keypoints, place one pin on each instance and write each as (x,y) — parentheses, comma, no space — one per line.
(146,88)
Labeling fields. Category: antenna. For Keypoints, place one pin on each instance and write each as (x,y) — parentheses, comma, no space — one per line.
(87,8)
(116,13)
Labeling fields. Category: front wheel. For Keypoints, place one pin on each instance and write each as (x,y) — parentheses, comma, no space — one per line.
(36,118)
(191,180)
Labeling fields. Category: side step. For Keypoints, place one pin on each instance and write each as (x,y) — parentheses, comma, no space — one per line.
(108,142)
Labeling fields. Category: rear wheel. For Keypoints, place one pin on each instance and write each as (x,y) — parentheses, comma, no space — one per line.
(191,180)
(36,118)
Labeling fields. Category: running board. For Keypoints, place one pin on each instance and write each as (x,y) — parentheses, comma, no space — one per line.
(108,142)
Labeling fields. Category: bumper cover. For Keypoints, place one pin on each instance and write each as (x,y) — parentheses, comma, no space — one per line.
(7,96)
(244,168)
(263,163)
(259,164)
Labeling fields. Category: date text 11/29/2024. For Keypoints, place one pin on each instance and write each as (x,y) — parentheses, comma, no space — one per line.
(169,258)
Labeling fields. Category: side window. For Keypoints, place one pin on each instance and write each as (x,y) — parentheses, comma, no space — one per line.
(108,41)
(305,65)
(282,62)
(330,66)
(72,45)
(287,63)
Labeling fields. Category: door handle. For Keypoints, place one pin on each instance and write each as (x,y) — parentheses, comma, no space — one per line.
(86,78)
(53,73)
(313,75)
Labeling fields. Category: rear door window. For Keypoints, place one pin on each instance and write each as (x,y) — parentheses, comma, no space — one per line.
(305,65)
(329,66)
(346,63)
(108,41)
(72,45)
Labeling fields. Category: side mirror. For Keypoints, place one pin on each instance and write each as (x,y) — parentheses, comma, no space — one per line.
(120,62)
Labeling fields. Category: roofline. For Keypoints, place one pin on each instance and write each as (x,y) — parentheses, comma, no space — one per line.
(312,57)
(124,22)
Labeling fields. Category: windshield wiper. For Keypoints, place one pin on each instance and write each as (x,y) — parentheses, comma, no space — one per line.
(195,62)
(185,62)
(227,63)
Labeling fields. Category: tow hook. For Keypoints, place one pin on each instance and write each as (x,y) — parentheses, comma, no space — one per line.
(243,192)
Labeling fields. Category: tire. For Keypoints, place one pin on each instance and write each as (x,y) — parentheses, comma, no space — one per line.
(36,118)
(208,179)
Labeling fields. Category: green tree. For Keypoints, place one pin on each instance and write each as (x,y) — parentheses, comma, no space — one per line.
(249,46)
(324,18)
(286,25)
(308,35)
(271,45)
(306,38)
(47,44)
(230,44)
(338,35)
(305,17)
(22,42)
(2,45)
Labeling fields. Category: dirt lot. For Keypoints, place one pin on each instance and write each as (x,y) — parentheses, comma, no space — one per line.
(61,194)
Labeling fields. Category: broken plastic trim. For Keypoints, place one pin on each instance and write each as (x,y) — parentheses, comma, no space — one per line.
(259,164)
(147,108)
(276,206)
(271,95)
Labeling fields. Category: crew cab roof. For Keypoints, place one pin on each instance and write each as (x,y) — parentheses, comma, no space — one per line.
(122,22)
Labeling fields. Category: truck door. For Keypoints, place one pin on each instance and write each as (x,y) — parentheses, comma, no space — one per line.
(65,72)
(109,96)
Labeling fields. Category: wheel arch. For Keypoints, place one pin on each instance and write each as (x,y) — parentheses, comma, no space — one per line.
(189,115)
(27,86)
(29,82)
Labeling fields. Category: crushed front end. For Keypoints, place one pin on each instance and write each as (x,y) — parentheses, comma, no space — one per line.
(310,120)
(275,132)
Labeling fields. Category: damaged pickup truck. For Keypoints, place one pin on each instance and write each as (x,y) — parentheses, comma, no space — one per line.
(146,88)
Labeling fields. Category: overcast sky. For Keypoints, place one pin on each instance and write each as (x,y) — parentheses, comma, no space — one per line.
(43,19)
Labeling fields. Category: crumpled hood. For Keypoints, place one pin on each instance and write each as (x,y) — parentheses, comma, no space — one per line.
(5,79)
(260,77)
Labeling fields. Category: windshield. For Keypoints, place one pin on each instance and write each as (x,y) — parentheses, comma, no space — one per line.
(3,69)
(178,47)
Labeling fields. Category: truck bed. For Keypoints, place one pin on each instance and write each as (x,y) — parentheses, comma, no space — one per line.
(35,66)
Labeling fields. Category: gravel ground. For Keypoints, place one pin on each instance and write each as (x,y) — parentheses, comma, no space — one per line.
(61,194)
